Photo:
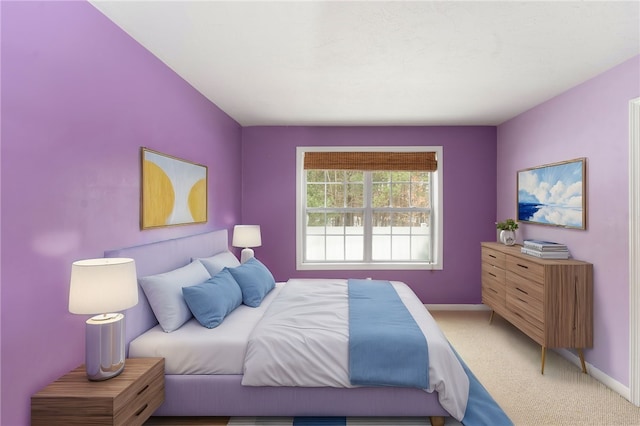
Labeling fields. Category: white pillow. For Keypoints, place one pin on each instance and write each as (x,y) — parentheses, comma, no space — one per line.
(164,292)
(218,262)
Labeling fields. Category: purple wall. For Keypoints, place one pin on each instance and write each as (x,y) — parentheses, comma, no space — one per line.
(79,99)
(269,199)
(590,120)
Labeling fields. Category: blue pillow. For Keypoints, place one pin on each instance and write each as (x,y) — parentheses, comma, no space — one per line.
(214,299)
(165,296)
(255,281)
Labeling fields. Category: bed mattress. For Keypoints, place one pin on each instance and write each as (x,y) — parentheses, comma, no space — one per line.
(194,349)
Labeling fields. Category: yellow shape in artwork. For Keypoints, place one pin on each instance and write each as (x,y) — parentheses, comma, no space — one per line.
(198,201)
(158,195)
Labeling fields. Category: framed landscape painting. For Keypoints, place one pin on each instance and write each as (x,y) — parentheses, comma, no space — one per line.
(174,191)
(553,194)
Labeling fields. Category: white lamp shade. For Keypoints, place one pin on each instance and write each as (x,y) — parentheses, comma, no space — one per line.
(103,285)
(246,236)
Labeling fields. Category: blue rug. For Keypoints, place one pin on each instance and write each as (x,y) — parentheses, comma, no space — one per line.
(335,421)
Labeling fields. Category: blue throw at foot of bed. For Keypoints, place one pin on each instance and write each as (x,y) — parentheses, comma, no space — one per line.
(386,346)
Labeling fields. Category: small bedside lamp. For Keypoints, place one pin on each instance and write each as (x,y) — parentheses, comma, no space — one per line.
(246,236)
(98,286)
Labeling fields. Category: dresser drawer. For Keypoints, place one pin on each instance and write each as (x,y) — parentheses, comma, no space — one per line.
(493,297)
(531,309)
(526,268)
(493,257)
(531,289)
(521,320)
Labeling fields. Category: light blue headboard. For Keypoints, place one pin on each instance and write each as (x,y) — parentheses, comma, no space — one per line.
(164,256)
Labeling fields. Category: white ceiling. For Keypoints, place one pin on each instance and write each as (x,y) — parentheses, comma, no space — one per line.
(381,62)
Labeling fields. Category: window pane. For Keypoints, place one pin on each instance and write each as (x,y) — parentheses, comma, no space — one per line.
(381,177)
(354,248)
(420,249)
(335,223)
(315,247)
(381,247)
(354,176)
(401,248)
(401,223)
(315,220)
(335,247)
(381,223)
(400,195)
(400,176)
(335,195)
(315,195)
(354,222)
(315,176)
(355,195)
(419,195)
(380,195)
(335,176)
(420,222)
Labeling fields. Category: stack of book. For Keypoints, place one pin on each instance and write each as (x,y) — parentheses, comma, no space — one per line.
(545,249)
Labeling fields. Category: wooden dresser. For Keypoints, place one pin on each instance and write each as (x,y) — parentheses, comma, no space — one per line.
(551,301)
(127,399)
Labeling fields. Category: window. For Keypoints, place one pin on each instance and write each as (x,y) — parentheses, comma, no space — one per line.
(369,208)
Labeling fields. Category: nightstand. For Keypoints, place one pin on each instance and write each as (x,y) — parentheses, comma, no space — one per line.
(127,399)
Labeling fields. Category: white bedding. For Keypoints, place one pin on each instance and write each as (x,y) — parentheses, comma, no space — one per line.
(302,340)
(194,349)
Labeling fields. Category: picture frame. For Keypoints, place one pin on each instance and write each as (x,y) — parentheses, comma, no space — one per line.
(173,191)
(553,194)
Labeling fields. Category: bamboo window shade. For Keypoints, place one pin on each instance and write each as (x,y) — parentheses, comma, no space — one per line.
(406,161)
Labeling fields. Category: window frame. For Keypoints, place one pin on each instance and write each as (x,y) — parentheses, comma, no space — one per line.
(436,209)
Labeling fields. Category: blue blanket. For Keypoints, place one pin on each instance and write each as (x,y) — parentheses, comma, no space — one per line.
(386,346)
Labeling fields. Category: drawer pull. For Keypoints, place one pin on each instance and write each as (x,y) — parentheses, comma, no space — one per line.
(144,407)
(493,290)
(493,275)
(522,291)
(143,389)
(522,266)
(492,256)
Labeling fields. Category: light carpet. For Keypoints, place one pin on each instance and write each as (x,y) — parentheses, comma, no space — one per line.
(507,363)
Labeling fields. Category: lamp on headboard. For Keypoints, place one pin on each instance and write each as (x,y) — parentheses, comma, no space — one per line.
(103,286)
(246,236)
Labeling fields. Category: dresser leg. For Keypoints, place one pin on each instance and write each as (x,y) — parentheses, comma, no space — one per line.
(491,317)
(544,354)
(581,355)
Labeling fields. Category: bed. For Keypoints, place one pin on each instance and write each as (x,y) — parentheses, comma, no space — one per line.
(217,389)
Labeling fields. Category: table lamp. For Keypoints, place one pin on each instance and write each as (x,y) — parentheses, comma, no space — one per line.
(103,286)
(246,236)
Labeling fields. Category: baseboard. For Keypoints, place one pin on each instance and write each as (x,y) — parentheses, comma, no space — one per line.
(597,374)
(460,307)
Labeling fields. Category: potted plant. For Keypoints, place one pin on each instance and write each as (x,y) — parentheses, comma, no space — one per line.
(507,231)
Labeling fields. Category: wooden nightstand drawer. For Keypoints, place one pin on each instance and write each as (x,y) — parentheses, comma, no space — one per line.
(128,399)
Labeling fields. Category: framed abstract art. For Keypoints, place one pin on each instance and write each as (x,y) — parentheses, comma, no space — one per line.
(173,191)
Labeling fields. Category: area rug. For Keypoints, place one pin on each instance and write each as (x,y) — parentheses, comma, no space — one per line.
(331,421)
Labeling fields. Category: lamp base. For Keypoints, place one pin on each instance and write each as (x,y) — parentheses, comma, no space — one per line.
(104,346)
(246,254)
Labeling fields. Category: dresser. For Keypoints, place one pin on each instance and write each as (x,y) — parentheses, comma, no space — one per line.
(128,399)
(549,300)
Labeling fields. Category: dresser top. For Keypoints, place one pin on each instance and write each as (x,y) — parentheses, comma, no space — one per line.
(514,250)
